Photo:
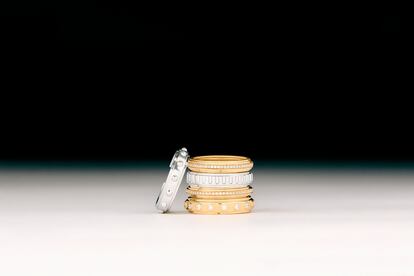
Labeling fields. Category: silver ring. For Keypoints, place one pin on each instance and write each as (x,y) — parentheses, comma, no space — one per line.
(219,180)
(169,189)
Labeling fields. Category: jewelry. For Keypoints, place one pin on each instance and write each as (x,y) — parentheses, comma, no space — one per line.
(219,180)
(218,184)
(169,189)
(219,193)
(213,207)
(220,164)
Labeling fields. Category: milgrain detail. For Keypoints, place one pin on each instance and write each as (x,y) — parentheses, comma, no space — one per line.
(219,193)
(220,164)
(239,179)
(207,166)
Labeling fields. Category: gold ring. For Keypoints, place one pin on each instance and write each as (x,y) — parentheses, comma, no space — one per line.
(220,164)
(219,207)
(219,193)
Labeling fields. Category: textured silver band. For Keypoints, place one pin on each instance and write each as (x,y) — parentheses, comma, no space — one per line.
(219,180)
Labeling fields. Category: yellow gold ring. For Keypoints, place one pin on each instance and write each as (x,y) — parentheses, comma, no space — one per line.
(220,164)
(219,193)
(219,207)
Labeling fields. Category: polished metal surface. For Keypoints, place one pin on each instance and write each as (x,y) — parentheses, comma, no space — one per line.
(169,189)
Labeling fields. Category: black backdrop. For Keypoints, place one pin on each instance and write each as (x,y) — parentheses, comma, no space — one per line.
(83,85)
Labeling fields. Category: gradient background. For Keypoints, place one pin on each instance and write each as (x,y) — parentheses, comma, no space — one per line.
(96,100)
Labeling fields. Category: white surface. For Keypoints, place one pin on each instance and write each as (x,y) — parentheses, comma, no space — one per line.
(305,223)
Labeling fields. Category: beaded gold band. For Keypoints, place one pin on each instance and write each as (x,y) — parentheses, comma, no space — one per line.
(220,164)
(219,207)
(219,193)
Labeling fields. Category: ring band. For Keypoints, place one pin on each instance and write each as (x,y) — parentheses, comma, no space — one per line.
(220,207)
(220,164)
(219,180)
(217,193)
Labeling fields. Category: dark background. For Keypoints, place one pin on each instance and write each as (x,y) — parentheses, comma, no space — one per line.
(105,83)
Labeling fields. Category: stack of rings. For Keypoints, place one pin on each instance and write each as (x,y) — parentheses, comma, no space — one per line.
(219,184)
